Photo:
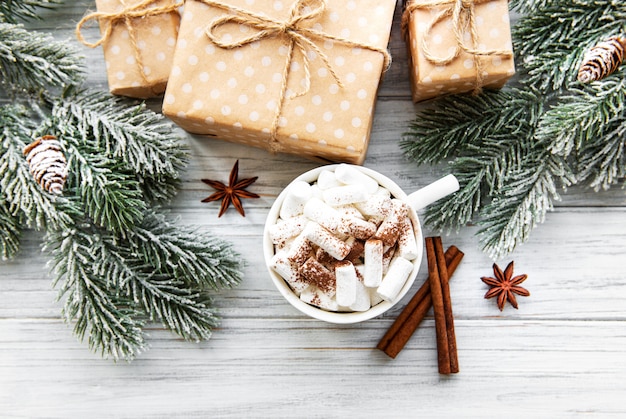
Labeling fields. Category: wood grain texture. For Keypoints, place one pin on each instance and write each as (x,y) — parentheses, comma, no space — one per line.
(561,355)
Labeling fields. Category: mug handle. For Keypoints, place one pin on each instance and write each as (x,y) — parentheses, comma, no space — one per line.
(433,192)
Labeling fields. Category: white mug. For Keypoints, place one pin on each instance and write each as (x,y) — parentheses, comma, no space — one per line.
(416,201)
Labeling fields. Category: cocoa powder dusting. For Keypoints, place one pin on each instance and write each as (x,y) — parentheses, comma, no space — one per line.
(301,253)
(316,300)
(390,229)
(317,273)
(324,257)
(389,235)
(387,256)
(406,231)
(356,251)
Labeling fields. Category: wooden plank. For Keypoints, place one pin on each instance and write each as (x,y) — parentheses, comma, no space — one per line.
(571,368)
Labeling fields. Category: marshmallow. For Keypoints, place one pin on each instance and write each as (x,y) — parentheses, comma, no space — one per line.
(284,268)
(283,230)
(375,206)
(373,263)
(394,280)
(360,271)
(356,252)
(381,191)
(357,248)
(374,297)
(317,273)
(297,195)
(327,179)
(357,227)
(350,211)
(324,258)
(316,192)
(407,244)
(346,284)
(362,302)
(323,214)
(346,194)
(353,176)
(388,254)
(300,250)
(390,229)
(312,295)
(284,246)
(326,240)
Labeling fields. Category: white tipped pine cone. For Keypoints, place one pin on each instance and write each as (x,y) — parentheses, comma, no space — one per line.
(603,59)
(47,163)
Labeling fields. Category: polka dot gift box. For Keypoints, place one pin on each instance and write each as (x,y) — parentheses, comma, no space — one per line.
(457,46)
(293,76)
(138,38)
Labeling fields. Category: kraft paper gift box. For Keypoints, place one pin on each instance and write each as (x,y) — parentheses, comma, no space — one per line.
(138,40)
(457,55)
(236,78)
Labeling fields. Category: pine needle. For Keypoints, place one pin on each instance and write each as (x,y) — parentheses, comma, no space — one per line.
(117,262)
(23,197)
(32,62)
(13,10)
(114,285)
(589,124)
(551,41)
(10,232)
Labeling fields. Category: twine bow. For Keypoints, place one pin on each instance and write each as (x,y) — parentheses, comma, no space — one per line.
(299,36)
(463,16)
(125,15)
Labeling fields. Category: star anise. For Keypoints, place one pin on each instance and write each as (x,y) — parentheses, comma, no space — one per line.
(233,192)
(505,286)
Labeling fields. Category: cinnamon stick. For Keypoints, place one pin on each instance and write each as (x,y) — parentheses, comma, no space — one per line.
(443,351)
(447,306)
(414,312)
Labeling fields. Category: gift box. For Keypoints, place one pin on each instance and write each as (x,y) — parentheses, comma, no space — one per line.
(457,46)
(138,40)
(298,77)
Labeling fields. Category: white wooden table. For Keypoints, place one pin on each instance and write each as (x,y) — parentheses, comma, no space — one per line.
(562,354)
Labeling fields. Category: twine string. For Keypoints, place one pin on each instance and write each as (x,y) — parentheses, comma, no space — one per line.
(463,15)
(299,37)
(125,16)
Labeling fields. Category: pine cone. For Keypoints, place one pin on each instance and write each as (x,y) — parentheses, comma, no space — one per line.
(603,59)
(47,163)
